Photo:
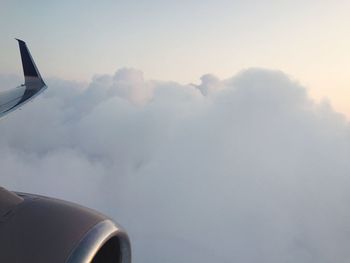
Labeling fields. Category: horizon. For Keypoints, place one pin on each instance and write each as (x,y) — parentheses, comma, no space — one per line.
(308,40)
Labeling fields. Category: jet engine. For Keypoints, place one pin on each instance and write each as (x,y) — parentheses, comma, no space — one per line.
(40,229)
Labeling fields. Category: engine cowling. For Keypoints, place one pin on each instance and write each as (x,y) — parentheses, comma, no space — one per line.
(39,229)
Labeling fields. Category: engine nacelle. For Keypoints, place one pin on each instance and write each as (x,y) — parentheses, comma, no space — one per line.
(40,229)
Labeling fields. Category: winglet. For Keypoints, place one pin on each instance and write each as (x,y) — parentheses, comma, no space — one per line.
(29,68)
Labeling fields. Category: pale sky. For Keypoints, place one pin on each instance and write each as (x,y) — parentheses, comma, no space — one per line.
(182,40)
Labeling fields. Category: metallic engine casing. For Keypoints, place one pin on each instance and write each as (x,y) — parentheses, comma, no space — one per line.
(40,229)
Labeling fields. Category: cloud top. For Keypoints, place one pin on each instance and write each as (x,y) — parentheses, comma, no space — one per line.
(245,169)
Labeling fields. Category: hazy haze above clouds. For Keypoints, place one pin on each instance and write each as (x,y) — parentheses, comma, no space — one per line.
(246,169)
(181,40)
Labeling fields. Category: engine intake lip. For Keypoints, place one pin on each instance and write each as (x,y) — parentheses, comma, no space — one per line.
(95,239)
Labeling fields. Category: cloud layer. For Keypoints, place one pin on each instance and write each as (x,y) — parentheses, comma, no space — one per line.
(247,169)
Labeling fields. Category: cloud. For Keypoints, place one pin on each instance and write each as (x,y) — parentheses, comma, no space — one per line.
(246,169)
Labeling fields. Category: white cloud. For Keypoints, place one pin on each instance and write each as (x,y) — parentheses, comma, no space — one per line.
(247,169)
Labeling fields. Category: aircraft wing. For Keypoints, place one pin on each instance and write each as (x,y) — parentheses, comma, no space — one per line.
(33,84)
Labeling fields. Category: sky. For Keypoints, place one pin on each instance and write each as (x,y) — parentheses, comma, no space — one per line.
(182,40)
(246,164)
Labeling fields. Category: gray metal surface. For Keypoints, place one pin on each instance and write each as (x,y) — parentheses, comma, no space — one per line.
(39,229)
(8,200)
(93,241)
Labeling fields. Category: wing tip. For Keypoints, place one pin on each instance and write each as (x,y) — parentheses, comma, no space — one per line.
(20,40)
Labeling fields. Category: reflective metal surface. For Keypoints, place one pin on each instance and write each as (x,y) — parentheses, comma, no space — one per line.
(92,242)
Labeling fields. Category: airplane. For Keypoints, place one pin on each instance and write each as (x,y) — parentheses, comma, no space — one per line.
(40,229)
(33,85)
